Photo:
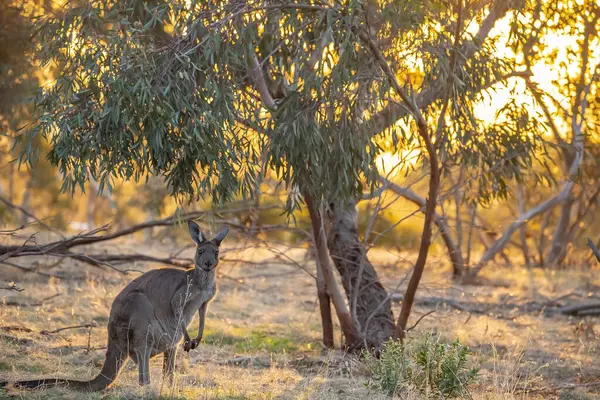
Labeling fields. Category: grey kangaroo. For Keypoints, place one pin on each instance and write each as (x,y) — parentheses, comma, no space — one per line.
(151,315)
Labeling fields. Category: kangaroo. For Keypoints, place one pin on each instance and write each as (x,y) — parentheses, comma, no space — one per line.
(151,315)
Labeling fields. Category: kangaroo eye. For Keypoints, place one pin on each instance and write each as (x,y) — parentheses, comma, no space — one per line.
(200,251)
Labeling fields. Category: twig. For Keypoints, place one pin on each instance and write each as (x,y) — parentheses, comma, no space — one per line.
(419,320)
(12,287)
(28,214)
(89,325)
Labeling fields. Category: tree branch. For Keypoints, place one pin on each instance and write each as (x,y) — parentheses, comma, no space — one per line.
(594,248)
(28,214)
(429,95)
(453,250)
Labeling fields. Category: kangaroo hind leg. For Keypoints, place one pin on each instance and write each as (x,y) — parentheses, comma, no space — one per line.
(143,359)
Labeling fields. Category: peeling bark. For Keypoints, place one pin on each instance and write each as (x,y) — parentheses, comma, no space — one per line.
(366,296)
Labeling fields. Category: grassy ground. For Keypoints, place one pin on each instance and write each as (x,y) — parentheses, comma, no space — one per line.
(262,334)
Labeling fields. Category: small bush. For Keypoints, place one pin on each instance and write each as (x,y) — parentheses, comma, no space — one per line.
(426,364)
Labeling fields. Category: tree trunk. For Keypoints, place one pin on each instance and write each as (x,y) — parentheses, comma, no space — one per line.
(11,182)
(369,303)
(25,205)
(324,307)
(91,208)
(349,328)
(324,302)
(560,239)
(523,233)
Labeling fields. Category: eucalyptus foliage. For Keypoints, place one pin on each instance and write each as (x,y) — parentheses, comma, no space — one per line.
(17,78)
(168,88)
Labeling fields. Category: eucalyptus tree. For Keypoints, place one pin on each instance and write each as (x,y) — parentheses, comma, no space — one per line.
(563,35)
(209,94)
(570,109)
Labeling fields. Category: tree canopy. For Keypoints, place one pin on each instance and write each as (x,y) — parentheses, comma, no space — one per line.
(211,93)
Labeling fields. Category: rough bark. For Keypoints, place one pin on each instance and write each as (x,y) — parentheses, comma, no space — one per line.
(366,296)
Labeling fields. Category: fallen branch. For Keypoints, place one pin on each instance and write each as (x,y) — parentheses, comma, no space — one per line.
(12,287)
(38,304)
(567,386)
(91,237)
(16,340)
(64,248)
(580,309)
(15,328)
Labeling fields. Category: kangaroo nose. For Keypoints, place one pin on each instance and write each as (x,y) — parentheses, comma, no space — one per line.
(208,264)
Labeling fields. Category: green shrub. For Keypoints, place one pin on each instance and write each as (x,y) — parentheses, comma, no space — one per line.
(425,364)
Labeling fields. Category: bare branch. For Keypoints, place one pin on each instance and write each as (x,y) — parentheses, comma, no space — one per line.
(257,76)
(419,320)
(394,111)
(453,250)
(28,214)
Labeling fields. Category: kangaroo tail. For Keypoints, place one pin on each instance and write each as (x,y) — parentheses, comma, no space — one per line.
(115,359)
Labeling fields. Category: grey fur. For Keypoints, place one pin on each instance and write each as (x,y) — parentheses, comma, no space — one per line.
(151,315)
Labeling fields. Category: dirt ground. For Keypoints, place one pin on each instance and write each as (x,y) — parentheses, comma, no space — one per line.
(263,328)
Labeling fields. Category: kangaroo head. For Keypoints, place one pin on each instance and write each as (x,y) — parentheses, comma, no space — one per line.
(207,251)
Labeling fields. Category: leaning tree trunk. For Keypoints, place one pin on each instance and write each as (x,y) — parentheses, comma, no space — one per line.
(352,334)
(369,302)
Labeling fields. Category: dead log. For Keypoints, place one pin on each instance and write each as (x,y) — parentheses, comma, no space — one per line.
(587,309)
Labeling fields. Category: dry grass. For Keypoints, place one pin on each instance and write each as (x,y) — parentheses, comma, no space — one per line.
(262,337)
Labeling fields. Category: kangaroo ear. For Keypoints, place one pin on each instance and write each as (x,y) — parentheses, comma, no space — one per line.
(195,232)
(221,235)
